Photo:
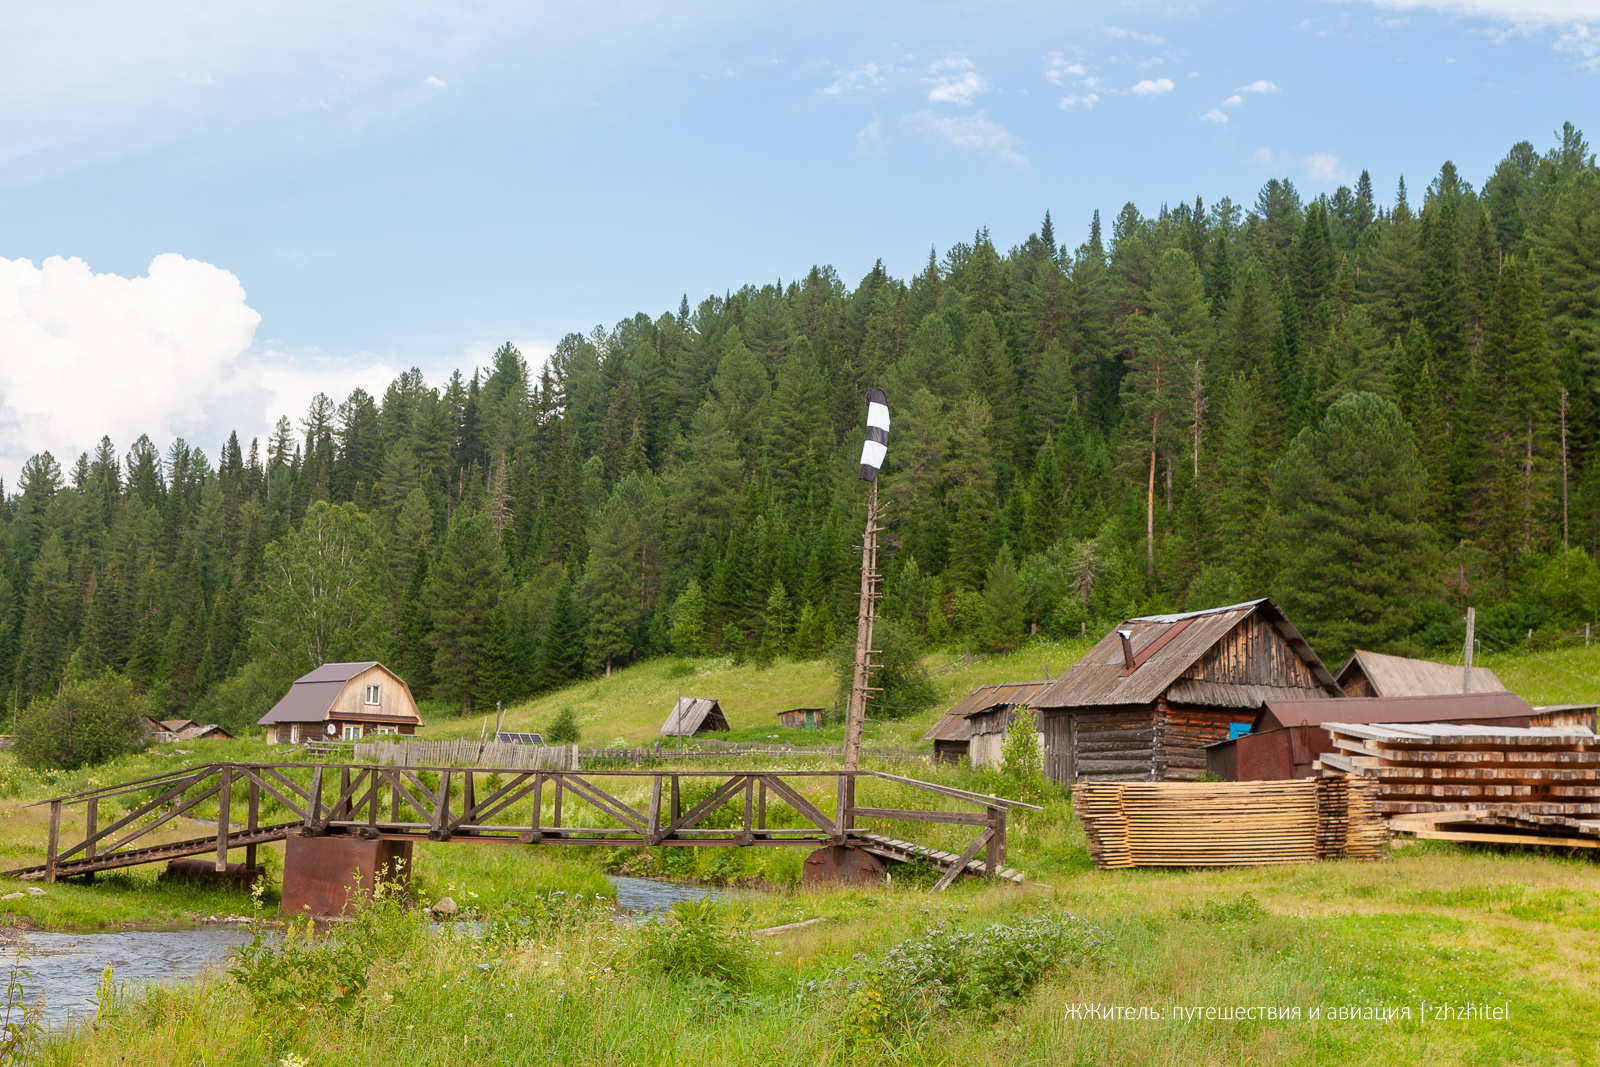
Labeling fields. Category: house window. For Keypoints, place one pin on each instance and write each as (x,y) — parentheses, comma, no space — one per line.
(372,694)
(352,733)
(384,731)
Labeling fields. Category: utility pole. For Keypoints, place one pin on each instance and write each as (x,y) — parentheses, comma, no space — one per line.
(1466,671)
(1565,546)
(872,454)
(856,716)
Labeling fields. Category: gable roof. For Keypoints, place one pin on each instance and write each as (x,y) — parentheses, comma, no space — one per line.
(1164,647)
(690,715)
(1398,676)
(956,724)
(1502,707)
(312,695)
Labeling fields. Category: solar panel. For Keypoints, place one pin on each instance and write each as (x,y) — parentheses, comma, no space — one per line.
(519,739)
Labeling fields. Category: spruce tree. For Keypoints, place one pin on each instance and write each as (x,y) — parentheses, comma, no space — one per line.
(1358,554)
(463,599)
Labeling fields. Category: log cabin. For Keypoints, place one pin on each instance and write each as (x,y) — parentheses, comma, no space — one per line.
(1373,674)
(971,729)
(1146,700)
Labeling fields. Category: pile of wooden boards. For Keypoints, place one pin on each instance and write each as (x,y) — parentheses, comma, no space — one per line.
(1230,824)
(1492,784)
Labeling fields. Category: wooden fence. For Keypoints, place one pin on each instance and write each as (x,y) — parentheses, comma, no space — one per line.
(469,753)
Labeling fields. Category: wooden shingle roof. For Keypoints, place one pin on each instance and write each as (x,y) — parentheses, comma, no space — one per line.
(1398,676)
(956,724)
(1166,647)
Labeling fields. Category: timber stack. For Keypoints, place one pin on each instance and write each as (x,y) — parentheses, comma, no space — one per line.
(1230,824)
(1494,784)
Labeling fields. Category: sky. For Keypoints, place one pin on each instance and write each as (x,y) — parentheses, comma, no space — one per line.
(209,213)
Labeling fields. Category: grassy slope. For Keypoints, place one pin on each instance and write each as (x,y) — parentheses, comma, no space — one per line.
(634,701)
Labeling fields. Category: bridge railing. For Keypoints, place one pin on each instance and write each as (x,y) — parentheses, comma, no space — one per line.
(526,805)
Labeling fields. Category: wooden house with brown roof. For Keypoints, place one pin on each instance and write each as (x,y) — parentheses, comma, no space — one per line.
(985,712)
(343,702)
(1146,700)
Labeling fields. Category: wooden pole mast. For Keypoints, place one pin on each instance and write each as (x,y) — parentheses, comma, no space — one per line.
(857,714)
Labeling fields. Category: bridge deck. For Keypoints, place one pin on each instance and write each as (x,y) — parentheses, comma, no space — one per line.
(443,804)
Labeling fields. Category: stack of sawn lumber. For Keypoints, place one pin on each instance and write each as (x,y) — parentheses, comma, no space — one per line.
(1498,784)
(1229,824)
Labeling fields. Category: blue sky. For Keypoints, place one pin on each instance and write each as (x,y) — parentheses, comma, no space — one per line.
(356,188)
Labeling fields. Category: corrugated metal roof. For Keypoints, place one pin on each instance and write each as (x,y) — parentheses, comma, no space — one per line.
(1164,647)
(336,672)
(304,702)
(1398,676)
(955,725)
(1458,707)
(689,716)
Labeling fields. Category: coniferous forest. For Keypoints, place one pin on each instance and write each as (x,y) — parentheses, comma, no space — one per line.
(1377,408)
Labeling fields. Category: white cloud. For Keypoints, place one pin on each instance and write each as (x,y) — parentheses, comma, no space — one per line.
(959,84)
(1233,101)
(1262,86)
(89,354)
(1325,167)
(1057,70)
(976,133)
(1079,100)
(1152,87)
(1524,14)
(869,138)
(865,76)
(1214,115)
(1265,157)
(1583,42)
(434,83)
(960,90)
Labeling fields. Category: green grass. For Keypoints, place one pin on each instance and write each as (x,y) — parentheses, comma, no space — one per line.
(1437,923)
(631,705)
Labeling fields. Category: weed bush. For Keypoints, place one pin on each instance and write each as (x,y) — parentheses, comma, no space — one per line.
(1241,909)
(947,970)
(696,944)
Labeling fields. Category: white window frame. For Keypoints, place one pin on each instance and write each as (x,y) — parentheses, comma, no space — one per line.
(386,731)
(374,696)
(352,731)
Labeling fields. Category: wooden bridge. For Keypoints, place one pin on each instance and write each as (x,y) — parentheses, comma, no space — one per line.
(363,802)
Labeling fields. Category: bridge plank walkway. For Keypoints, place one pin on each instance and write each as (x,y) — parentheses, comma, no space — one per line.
(470,805)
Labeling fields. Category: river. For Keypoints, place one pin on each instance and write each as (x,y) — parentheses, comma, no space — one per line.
(66,967)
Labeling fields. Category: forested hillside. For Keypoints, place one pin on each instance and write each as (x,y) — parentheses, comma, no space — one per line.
(1375,409)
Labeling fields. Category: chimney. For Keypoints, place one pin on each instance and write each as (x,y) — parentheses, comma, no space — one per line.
(1127,649)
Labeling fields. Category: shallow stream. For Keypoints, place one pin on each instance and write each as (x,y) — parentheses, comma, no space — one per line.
(66,967)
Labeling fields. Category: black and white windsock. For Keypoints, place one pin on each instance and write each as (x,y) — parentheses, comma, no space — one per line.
(877,444)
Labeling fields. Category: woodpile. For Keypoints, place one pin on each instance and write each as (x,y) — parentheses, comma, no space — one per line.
(1494,784)
(1230,824)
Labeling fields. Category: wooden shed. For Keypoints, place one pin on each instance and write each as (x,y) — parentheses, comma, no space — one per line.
(1373,674)
(1287,737)
(808,718)
(952,734)
(694,715)
(343,701)
(1146,700)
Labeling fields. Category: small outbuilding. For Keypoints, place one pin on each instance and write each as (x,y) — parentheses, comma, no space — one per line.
(343,701)
(805,718)
(1146,700)
(694,715)
(163,730)
(1373,674)
(1287,737)
(952,735)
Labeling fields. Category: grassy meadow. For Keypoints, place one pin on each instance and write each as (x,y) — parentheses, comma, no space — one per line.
(532,977)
